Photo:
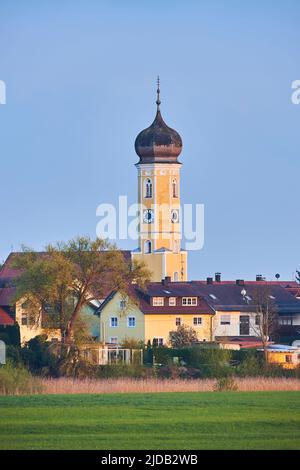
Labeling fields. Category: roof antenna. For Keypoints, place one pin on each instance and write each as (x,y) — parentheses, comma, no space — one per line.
(158,93)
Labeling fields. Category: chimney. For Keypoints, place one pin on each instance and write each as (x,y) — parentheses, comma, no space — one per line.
(209,280)
(166,280)
(259,277)
(218,277)
(240,282)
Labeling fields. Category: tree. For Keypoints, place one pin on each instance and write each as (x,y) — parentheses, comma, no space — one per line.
(265,321)
(298,276)
(59,282)
(183,336)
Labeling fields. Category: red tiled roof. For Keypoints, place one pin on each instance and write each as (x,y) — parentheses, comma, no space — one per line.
(287,284)
(5,319)
(242,341)
(7,295)
(144,302)
(8,271)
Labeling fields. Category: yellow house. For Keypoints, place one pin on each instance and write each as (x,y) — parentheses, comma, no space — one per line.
(153,314)
(287,357)
(31,327)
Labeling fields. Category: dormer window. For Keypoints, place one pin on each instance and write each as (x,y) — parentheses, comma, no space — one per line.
(172,301)
(187,301)
(158,301)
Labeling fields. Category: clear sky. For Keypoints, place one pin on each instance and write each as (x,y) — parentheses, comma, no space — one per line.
(80,79)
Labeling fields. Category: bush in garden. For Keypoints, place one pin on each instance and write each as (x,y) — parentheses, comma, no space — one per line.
(226,384)
(17,381)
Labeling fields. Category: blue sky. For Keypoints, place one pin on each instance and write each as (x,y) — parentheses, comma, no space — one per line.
(80,79)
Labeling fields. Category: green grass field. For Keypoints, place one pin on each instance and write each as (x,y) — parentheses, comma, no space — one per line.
(236,420)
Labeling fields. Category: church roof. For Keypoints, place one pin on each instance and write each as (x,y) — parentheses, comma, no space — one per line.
(158,143)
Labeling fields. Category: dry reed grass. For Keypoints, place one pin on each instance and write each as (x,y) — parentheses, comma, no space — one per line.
(129,385)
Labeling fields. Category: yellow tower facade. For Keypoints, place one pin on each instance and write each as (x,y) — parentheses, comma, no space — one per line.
(158,147)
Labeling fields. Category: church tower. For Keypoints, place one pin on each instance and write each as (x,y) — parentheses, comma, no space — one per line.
(158,148)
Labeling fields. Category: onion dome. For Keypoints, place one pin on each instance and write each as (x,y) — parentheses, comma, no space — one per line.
(158,143)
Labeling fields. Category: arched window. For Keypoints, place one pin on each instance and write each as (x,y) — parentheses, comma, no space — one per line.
(148,188)
(176,246)
(147,246)
(174,188)
(176,276)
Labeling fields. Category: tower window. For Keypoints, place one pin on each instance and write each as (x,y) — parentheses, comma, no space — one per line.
(174,188)
(176,276)
(147,247)
(148,188)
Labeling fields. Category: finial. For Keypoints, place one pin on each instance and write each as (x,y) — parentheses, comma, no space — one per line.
(158,92)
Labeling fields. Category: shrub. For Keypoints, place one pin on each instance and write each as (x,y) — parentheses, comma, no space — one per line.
(251,366)
(124,370)
(14,356)
(39,359)
(17,381)
(183,336)
(10,334)
(226,384)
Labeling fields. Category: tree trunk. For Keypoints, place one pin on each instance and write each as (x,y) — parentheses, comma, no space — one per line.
(68,337)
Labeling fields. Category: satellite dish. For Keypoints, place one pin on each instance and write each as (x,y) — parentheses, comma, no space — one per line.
(277,276)
(243,292)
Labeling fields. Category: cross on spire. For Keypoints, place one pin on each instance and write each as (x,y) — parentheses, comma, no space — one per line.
(158,93)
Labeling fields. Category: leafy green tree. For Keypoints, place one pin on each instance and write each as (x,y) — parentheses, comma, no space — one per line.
(183,336)
(58,283)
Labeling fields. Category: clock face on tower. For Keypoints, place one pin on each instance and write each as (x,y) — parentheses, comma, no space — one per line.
(148,216)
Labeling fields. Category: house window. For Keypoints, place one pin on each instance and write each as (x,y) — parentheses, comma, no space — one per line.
(25,304)
(189,300)
(147,247)
(178,321)
(244,325)
(122,304)
(174,188)
(197,321)
(113,339)
(286,321)
(225,320)
(257,320)
(172,301)
(148,188)
(158,301)
(27,319)
(113,322)
(288,358)
(158,342)
(131,322)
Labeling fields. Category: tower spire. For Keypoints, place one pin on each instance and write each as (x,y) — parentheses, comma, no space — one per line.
(158,93)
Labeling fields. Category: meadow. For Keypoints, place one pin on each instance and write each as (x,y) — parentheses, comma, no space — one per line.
(186,421)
